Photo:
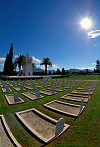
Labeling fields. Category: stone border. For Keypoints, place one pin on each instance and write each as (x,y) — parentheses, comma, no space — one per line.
(31,98)
(6,91)
(66,126)
(63,112)
(19,88)
(49,93)
(65,98)
(80,92)
(12,138)
(7,99)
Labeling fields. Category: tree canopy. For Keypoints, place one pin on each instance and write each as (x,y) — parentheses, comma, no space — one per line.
(8,65)
(45,62)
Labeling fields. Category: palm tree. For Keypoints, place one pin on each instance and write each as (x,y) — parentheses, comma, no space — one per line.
(45,62)
(20,61)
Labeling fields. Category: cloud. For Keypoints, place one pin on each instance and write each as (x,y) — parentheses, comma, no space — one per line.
(94,63)
(82,68)
(53,67)
(36,60)
(93,34)
(2,60)
(16,56)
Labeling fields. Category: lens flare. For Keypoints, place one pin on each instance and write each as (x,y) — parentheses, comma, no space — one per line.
(86,23)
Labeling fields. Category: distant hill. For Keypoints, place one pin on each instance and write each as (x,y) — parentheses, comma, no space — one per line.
(77,70)
(38,70)
(69,70)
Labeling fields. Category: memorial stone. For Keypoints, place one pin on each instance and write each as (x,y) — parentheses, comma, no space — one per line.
(59,126)
(81,104)
(43,85)
(33,86)
(7,88)
(16,97)
(53,90)
(37,93)
(21,87)
(13,83)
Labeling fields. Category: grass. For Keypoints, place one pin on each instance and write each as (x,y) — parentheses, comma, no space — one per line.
(84,131)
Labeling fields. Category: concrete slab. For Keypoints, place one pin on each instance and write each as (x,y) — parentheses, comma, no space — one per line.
(64,108)
(83,92)
(4,90)
(47,92)
(42,126)
(31,96)
(76,98)
(6,137)
(29,87)
(18,88)
(10,100)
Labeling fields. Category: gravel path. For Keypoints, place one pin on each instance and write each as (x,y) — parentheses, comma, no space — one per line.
(40,125)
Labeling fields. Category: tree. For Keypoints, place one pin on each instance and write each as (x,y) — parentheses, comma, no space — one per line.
(20,61)
(58,71)
(33,66)
(8,65)
(63,71)
(45,62)
(98,66)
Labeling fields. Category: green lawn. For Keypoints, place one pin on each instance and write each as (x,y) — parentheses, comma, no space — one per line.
(83,131)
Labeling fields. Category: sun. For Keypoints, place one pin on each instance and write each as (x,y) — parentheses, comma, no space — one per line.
(86,23)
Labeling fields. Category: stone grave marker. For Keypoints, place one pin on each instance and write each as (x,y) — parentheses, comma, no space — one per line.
(70,85)
(31,82)
(59,126)
(16,97)
(3,84)
(33,85)
(9,82)
(37,93)
(21,87)
(43,85)
(53,90)
(63,87)
(7,88)
(89,92)
(17,82)
(58,82)
(13,83)
(51,83)
(81,104)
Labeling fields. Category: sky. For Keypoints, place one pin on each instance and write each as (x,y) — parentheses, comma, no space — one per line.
(51,28)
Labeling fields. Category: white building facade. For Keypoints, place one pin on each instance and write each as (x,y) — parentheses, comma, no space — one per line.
(27,68)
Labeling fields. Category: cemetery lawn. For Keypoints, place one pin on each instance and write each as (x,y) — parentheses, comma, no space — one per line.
(83,131)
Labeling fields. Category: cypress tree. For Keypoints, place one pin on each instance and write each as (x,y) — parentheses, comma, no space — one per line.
(8,65)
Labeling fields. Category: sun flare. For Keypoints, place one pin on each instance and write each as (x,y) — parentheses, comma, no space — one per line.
(86,23)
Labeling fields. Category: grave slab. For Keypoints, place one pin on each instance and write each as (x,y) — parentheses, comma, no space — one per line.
(76,98)
(6,137)
(10,100)
(64,108)
(4,90)
(31,96)
(47,92)
(18,89)
(42,126)
(83,92)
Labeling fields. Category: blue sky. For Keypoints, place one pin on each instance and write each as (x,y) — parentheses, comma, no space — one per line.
(51,28)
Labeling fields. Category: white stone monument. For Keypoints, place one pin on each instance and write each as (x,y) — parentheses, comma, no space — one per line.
(27,68)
